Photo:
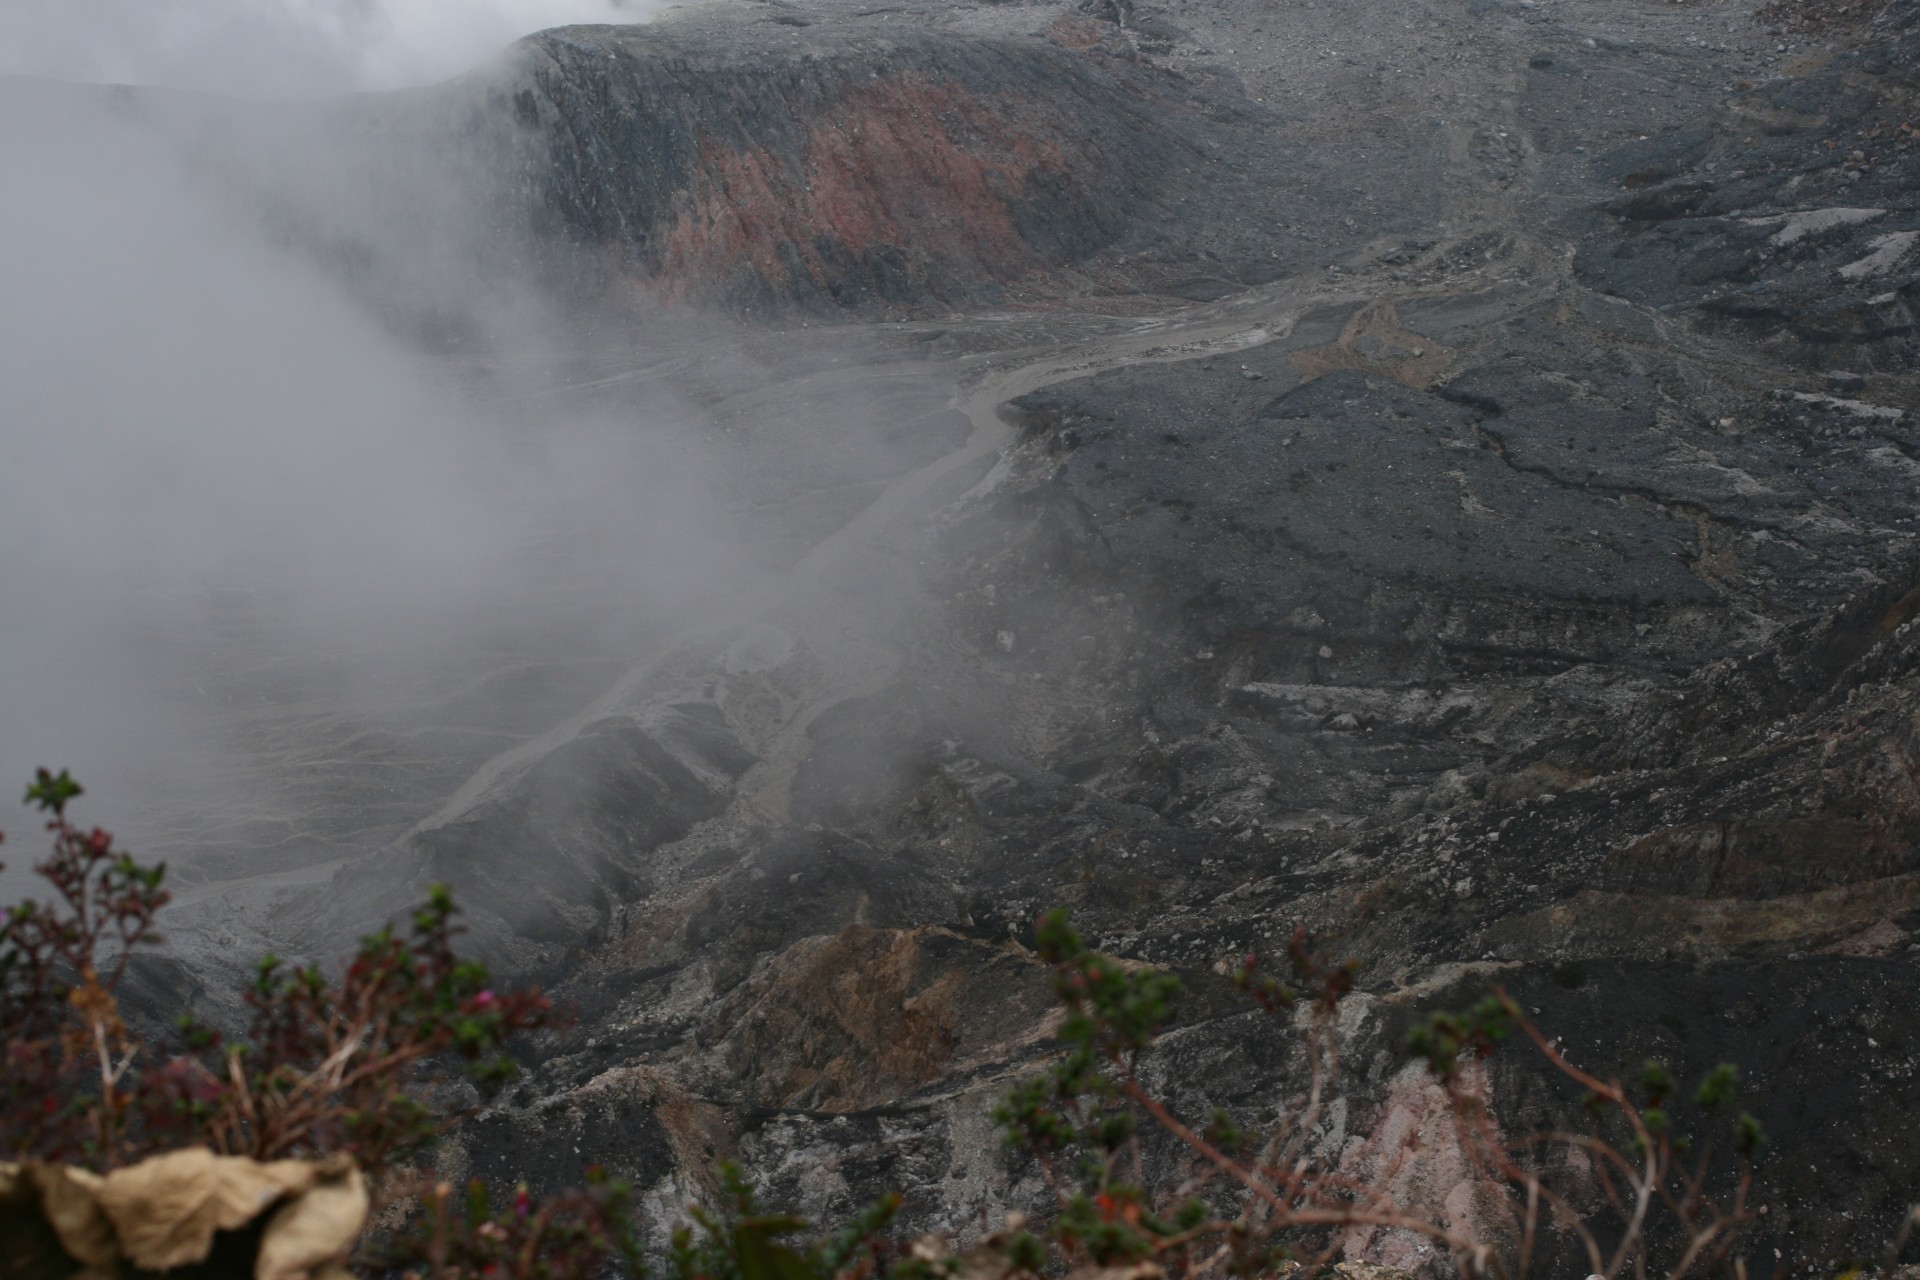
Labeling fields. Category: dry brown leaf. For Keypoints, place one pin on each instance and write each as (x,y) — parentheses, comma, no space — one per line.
(316,1227)
(48,1223)
(68,1199)
(165,1210)
(28,1248)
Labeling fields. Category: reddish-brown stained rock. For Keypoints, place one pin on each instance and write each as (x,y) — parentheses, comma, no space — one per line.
(747,167)
(919,167)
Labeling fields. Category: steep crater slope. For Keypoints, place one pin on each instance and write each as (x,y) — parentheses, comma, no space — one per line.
(725,158)
(1786,217)
(897,172)
(760,162)
(1489,622)
(1232,648)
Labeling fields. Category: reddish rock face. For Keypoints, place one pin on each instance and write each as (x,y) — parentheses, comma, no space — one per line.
(760,173)
(917,171)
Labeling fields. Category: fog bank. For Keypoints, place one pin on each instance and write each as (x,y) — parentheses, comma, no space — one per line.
(277,48)
(264,553)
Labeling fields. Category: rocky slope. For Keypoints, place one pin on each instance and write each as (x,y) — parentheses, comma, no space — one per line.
(1442,475)
(765,161)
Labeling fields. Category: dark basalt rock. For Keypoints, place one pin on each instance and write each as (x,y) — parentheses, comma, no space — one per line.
(720,159)
(1493,671)
(1789,218)
(545,870)
(1526,668)
(764,167)
(827,174)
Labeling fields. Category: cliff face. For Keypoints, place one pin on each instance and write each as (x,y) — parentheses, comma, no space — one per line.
(1784,219)
(763,165)
(758,163)
(904,171)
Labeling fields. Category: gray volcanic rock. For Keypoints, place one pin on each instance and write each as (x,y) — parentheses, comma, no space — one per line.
(1432,659)
(585,815)
(765,163)
(1788,216)
(776,167)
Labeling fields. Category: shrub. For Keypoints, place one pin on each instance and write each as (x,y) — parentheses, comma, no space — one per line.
(572,1236)
(1251,1203)
(329,1066)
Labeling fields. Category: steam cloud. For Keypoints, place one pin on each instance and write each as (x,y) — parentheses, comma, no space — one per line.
(276,48)
(258,545)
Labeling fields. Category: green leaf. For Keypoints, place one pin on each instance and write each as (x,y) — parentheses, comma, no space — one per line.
(1717,1089)
(1056,941)
(762,1258)
(50,792)
(1657,1081)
